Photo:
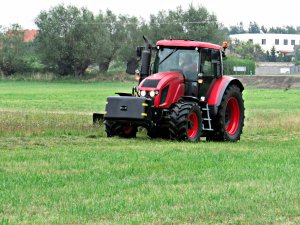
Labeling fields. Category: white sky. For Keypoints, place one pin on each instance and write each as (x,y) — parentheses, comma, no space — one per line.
(229,12)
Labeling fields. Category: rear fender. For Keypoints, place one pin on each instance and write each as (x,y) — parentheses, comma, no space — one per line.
(218,90)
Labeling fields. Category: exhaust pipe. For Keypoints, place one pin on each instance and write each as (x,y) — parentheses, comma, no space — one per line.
(146,59)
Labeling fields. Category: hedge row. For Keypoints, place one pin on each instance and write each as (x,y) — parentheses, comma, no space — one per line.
(231,62)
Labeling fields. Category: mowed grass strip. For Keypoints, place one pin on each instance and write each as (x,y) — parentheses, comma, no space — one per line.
(58,168)
(81,180)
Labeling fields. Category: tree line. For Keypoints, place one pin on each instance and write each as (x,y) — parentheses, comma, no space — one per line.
(255,28)
(71,39)
(254,52)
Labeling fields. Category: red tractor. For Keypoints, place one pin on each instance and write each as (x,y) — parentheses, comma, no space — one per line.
(182,95)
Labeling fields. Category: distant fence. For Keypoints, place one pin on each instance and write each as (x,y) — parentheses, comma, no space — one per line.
(295,69)
(270,68)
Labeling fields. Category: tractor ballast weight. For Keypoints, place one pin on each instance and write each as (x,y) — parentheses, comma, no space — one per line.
(183,95)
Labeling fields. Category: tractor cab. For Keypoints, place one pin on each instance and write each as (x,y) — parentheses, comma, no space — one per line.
(182,60)
(200,63)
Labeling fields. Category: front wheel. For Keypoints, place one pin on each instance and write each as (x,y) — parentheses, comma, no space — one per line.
(125,130)
(185,122)
(229,122)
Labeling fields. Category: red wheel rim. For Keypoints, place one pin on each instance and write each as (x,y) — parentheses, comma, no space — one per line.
(192,125)
(232,116)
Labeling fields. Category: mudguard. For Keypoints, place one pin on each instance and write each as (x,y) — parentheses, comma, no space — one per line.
(218,90)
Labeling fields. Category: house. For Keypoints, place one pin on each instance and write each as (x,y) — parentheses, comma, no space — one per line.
(29,35)
(283,43)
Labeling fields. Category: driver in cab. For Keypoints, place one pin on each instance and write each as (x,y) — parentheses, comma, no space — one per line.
(189,67)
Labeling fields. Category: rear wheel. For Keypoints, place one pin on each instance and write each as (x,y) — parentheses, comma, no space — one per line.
(229,122)
(186,122)
(125,130)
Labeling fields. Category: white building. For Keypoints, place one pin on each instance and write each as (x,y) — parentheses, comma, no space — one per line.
(282,42)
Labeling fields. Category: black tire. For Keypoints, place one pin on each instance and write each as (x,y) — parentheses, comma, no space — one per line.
(125,130)
(229,121)
(185,122)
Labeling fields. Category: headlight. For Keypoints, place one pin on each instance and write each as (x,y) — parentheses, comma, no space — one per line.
(152,94)
(143,93)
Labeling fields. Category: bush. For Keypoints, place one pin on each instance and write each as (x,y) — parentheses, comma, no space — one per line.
(34,64)
(230,62)
(12,50)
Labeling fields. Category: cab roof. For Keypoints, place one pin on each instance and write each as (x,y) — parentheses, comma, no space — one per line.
(187,43)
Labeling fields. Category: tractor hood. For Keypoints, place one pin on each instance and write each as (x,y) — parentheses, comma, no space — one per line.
(165,88)
(159,80)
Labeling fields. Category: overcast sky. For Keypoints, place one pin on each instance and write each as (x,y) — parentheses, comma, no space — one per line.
(229,12)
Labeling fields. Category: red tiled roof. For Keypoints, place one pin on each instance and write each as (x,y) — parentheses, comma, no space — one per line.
(29,35)
(285,51)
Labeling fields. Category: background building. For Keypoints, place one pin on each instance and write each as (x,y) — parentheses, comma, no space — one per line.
(30,35)
(283,43)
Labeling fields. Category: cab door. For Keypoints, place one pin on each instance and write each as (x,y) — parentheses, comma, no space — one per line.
(210,70)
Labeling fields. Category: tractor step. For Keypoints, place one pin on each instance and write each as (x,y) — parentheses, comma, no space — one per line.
(206,125)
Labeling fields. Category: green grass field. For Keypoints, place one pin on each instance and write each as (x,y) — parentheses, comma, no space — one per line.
(57,168)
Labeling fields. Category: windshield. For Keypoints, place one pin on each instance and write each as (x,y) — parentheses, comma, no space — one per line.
(185,61)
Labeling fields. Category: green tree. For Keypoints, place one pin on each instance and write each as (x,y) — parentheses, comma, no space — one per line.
(291,30)
(194,23)
(283,58)
(134,30)
(268,55)
(69,39)
(32,58)
(297,55)
(237,29)
(124,34)
(264,29)
(278,30)
(114,29)
(248,50)
(12,50)
(203,26)
(273,54)
(166,24)
(253,28)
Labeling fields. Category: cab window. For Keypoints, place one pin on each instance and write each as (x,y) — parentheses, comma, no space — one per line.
(216,63)
(211,62)
(206,67)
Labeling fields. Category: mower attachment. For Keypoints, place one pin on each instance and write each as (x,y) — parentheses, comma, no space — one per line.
(97,118)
